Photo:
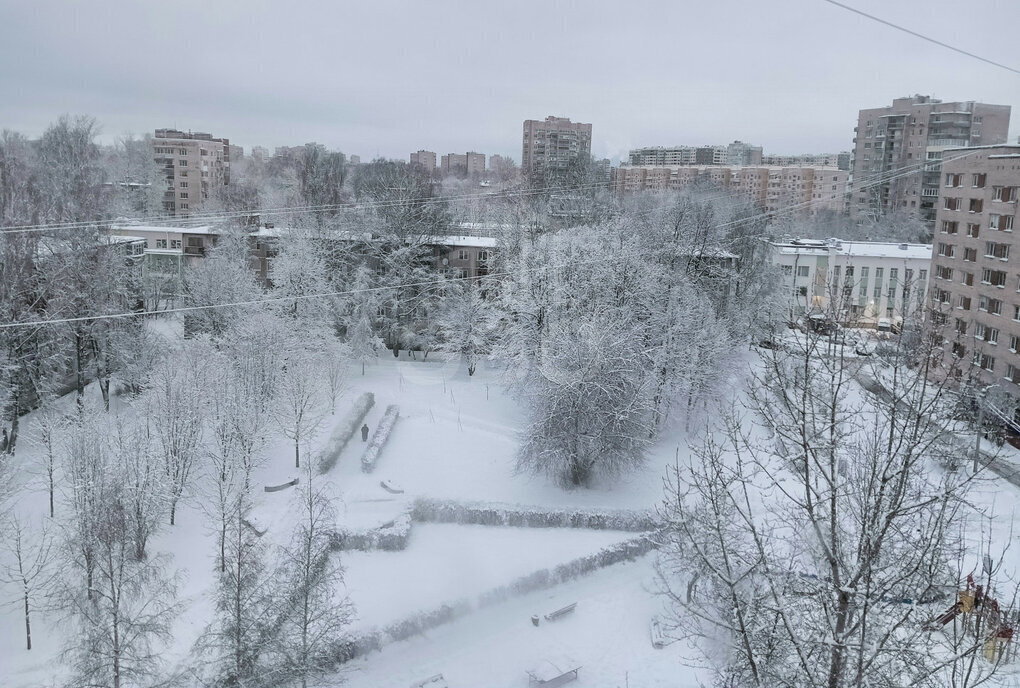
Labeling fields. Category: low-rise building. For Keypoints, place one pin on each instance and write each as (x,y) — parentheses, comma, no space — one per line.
(858,283)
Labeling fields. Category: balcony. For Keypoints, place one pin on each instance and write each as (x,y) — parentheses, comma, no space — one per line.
(194,251)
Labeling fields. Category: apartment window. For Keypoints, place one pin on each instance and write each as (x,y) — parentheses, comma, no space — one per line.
(951,204)
(863,290)
(970,254)
(1006,223)
(803,270)
(891,293)
(1006,194)
(483,255)
(1011,373)
(787,269)
(954,180)
(988,334)
(205,152)
(941,296)
(949,227)
(984,361)
(1013,342)
(184,194)
(968,279)
(160,243)
(976,204)
(993,306)
(183,173)
(176,243)
(184,206)
(977,181)
(959,350)
(941,272)
(462,254)
(960,326)
(947,250)
(979,330)
(922,275)
(182,163)
(963,303)
(184,185)
(973,229)
(801,291)
(864,273)
(995,250)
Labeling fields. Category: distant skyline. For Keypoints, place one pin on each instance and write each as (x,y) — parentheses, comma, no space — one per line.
(389,78)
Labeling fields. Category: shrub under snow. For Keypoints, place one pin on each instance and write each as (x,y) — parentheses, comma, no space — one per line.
(379,437)
(391,537)
(494,514)
(344,431)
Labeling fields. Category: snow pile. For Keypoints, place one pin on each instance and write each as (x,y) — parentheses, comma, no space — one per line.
(344,431)
(379,437)
(494,514)
(391,537)
(364,642)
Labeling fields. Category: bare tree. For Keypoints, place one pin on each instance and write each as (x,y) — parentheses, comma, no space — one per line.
(463,323)
(316,612)
(175,409)
(336,357)
(300,398)
(50,426)
(835,522)
(30,571)
(588,403)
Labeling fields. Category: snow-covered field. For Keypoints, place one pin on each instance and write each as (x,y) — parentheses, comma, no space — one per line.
(455,439)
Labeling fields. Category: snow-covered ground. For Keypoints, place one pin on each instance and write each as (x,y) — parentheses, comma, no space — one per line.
(456,439)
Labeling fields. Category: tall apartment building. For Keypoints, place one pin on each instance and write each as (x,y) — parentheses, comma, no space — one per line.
(740,153)
(898,149)
(427,159)
(551,148)
(800,191)
(475,163)
(195,165)
(975,266)
(859,282)
(837,160)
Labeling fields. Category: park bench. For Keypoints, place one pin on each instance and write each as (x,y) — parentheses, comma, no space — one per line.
(391,487)
(436,681)
(561,612)
(553,672)
(658,637)
(282,486)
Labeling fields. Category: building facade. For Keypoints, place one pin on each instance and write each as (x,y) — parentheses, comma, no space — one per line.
(427,159)
(838,160)
(898,151)
(858,283)
(976,264)
(800,191)
(195,166)
(551,150)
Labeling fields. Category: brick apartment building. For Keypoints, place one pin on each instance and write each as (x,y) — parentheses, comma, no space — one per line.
(898,151)
(976,264)
(194,165)
(797,191)
(427,159)
(552,148)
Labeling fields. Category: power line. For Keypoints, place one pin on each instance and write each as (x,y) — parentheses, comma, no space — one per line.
(875,180)
(921,36)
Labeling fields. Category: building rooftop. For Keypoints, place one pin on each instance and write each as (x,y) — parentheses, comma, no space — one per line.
(854,249)
(157,229)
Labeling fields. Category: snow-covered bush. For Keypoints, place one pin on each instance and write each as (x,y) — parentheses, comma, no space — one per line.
(344,431)
(494,514)
(379,437)
(391,537)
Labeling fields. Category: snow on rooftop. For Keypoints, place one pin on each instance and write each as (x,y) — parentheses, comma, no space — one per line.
(858,249)
(156,229)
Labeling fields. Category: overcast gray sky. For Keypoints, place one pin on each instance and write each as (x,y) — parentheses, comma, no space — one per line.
(383,78)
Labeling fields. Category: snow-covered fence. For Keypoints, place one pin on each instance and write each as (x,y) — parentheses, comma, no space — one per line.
(379,437)
(493,514)
(363,642)
(344,431)
(391,537)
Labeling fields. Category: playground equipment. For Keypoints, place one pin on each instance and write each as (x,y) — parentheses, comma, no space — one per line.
(981,615)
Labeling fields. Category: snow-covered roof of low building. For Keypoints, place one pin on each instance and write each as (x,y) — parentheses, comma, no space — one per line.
(460,240)
(855,249)
(157,229)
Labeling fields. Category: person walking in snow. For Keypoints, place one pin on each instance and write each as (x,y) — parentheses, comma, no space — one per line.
(364,432)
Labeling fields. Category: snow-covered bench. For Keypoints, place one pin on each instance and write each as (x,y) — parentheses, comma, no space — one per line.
(436,681)
(553,672)
(282,486)
(561,612)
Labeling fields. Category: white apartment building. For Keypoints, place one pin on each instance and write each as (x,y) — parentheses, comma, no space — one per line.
(860,282)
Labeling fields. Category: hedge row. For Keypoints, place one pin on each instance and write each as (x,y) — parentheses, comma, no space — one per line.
(391,537)
(364,642)
(379,437)
(490,514)
(344,431)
